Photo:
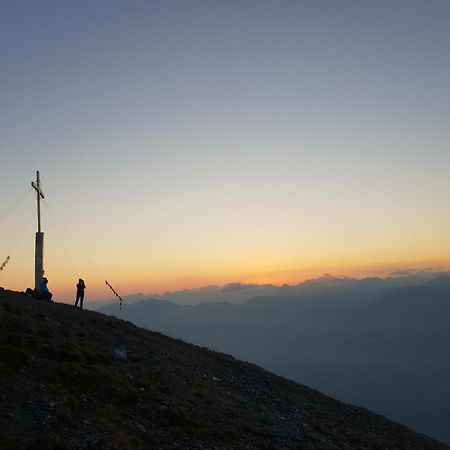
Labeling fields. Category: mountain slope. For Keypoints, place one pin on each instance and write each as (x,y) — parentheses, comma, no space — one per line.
(387,354)
(78,379)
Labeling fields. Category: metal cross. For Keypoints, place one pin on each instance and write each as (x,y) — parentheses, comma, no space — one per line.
(37,186)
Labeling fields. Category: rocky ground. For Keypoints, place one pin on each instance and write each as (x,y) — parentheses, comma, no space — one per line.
(72,379)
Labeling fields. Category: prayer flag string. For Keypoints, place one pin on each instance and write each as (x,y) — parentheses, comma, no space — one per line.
(115,293)
(4,263)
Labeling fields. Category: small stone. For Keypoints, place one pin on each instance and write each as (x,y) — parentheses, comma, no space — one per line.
(140,427)
(120,355)
(133,357)
(50,321)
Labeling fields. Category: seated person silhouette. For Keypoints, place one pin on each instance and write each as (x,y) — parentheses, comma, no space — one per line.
(43,293)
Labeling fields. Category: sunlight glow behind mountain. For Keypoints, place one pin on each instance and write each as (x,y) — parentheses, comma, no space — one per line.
(189,143)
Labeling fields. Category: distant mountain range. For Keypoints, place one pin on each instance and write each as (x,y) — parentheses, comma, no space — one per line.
(379,343)
(327,284)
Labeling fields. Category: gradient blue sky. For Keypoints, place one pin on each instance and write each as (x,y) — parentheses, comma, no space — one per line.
(188,142)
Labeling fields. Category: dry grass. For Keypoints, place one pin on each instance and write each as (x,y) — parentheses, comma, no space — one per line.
(58,374)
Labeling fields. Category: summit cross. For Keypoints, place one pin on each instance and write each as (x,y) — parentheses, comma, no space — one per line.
(39,194)
(39,250)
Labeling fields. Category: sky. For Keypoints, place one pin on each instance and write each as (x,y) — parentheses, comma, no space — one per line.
(182,144)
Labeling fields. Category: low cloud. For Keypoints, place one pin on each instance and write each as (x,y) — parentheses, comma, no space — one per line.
(428,272)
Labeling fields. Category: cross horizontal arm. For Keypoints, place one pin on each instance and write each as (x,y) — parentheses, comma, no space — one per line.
(38,189)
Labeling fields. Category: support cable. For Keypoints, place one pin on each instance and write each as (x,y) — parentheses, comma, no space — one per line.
(52,220)
(84,254)
(55,221)
(15,203)
(27,224)
(74,241)
(16,243)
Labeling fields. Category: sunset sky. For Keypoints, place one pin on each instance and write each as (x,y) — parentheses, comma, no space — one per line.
(187,143)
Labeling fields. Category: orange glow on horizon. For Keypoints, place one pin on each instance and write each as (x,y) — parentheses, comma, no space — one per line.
(97,290)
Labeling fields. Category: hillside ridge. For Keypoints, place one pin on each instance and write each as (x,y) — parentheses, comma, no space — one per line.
(73,379)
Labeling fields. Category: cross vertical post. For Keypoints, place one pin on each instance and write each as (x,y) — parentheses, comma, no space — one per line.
(39,250)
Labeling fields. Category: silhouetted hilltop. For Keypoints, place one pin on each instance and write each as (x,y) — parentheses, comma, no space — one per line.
(74,379)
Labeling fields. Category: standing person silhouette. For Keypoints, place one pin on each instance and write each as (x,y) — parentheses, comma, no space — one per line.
(80,292)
